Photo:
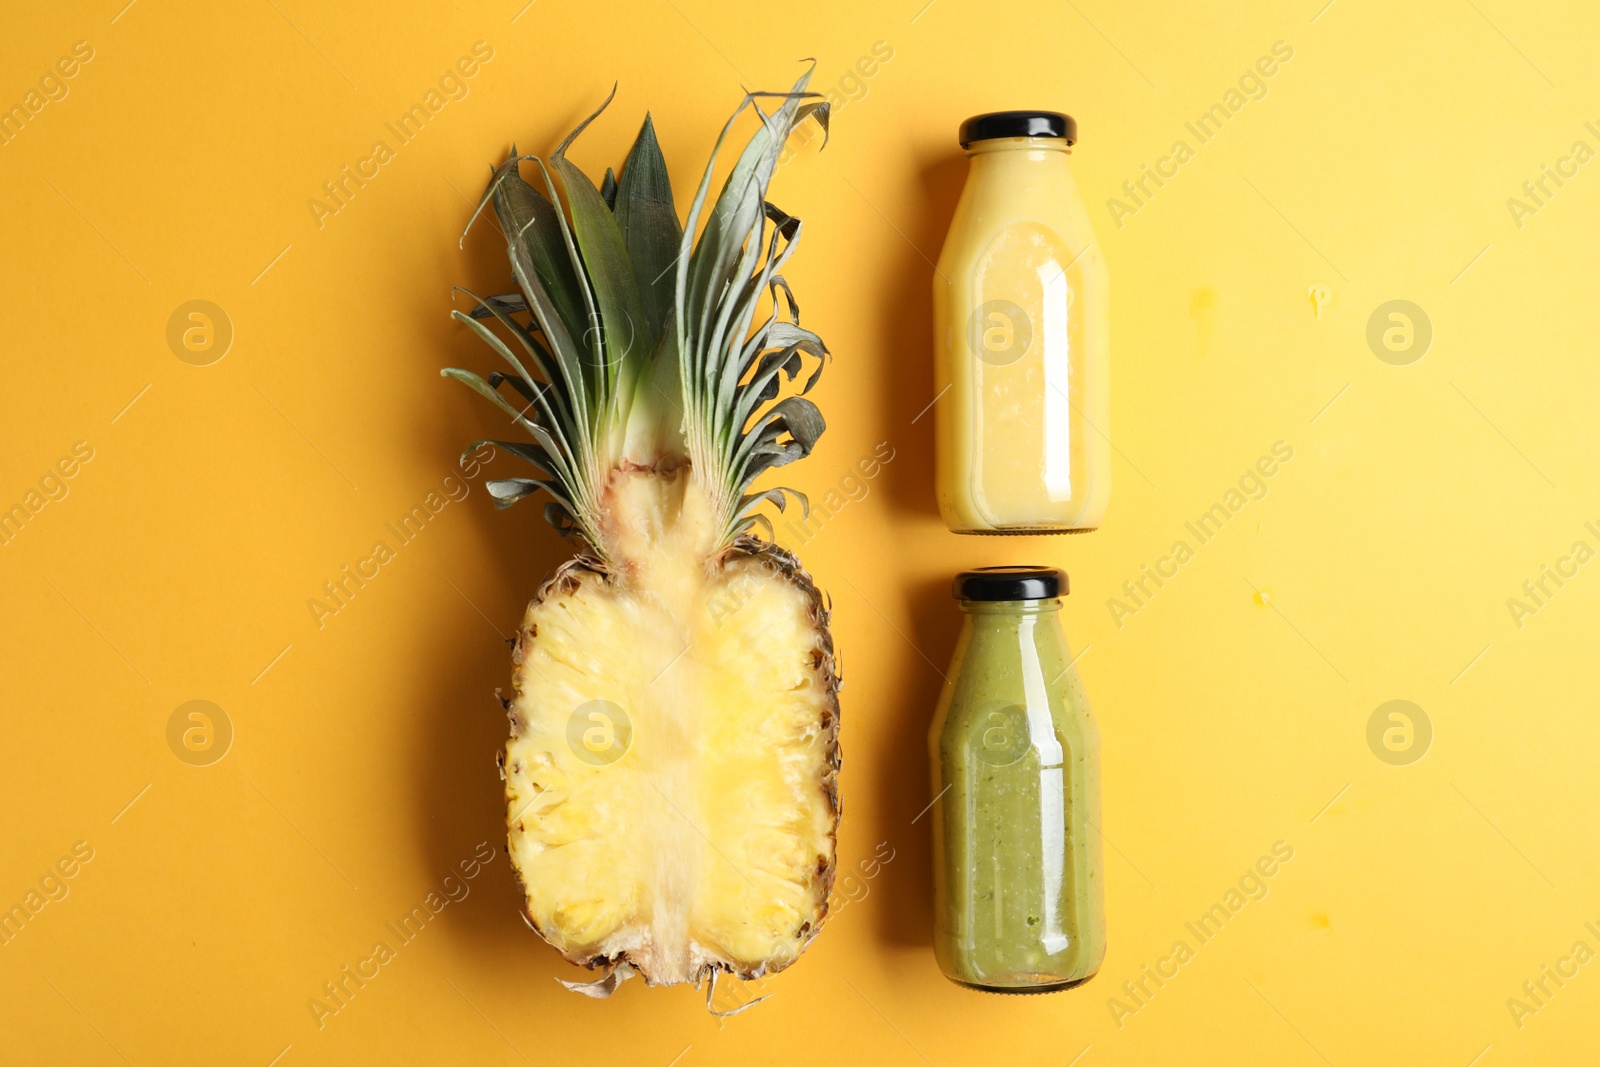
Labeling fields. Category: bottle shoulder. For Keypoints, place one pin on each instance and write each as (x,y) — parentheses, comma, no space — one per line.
(1016,662)
(1044,188)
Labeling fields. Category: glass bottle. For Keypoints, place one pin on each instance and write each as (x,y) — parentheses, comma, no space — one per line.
(1021,337)
(1018,904)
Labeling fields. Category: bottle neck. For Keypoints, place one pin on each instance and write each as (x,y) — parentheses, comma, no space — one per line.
(1009,152)
(1001,610)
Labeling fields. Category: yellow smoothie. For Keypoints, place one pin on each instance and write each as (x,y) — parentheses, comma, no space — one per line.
(1021,324)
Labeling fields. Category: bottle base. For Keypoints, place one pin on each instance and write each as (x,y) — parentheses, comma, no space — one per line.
(1026,531)
(1045,987)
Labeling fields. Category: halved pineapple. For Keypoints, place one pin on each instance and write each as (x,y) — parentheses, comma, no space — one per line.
(671,774)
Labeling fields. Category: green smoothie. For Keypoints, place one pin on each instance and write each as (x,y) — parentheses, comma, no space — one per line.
(1017,893)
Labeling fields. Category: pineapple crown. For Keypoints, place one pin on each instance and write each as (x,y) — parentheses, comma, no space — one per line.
(637,345)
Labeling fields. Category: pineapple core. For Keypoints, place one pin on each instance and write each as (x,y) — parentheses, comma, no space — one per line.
(669,777)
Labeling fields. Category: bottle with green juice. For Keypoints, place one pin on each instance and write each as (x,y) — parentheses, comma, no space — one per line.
(1018,904)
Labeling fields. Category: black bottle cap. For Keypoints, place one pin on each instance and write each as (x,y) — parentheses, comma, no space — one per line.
(1010,583)
(995,124)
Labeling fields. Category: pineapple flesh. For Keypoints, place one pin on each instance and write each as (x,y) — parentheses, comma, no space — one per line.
(671,776)
(685,819)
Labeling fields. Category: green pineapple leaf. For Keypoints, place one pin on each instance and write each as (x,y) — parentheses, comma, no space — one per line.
(532,228)
(649,225)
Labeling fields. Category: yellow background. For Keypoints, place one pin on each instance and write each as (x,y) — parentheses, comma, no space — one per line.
(1379,163)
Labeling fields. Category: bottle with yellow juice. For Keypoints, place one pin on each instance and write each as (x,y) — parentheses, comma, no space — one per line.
(1021,329)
